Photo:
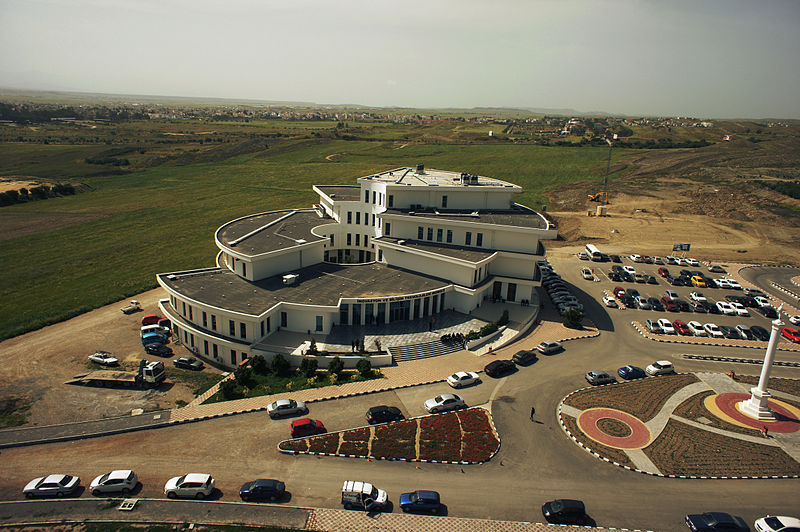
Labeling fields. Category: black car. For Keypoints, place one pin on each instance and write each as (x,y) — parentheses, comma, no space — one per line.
(711,521)
(753,292)
(498,368)
(524,357)
(650,279)
(746,333)
(655,304)
(748,301)
(421,501)
(263,489)
(384,414)
(632,292)
(614,276)
(716,269)
(628,300)
(698,306)
(631,372)
(158,349)
(768,311)
(760,333)
(735,299)
(565,512)
(628,278)
(711,307)
(730,332)
(615,258)
(683,305)
(188,363)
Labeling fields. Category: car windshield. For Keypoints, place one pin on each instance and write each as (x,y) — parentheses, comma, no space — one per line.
(773,522)
(439,399)
(66,480)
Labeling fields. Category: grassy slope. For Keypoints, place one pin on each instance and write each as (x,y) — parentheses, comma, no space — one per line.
(163,219)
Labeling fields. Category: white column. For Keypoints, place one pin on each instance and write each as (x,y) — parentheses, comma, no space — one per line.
(757,406)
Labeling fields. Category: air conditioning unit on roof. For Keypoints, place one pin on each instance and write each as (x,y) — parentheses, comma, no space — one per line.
(290,279)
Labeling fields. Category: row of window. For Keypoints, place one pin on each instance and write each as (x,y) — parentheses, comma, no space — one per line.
(369,218)
(209,321)
(377,198)
(357,240)
(440,236)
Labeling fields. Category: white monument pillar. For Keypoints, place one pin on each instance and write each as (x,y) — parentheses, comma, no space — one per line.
(757,407)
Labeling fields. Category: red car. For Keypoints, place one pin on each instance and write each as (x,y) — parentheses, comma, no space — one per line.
(307,427)
(670,304)
(151,319)
(663,272)
(647,259)
(682,328)
(618,291)
(793,335)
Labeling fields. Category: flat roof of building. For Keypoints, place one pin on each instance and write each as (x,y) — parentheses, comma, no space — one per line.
(459,252)
(271,231)
(438,178)
(341,192)
(515,217)
(320,284)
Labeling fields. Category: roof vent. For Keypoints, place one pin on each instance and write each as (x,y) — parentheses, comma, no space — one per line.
(333,196)
(300,241)
(401,242)
(172,277)
(420,168)
(290,279)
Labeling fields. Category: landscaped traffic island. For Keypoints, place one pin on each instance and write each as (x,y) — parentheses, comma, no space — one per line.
(465,436)
(686,425)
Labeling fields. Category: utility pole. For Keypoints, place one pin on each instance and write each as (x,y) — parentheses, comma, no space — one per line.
(608,168)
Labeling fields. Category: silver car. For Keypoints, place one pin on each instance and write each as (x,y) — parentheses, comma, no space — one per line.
(596,378)
(52,486)
(286,407)
(121,480)
(444,402)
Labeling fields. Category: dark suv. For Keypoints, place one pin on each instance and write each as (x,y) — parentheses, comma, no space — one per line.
(498,368)
(565,512)
(384,414)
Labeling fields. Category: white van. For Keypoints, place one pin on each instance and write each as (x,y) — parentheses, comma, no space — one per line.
(363,496)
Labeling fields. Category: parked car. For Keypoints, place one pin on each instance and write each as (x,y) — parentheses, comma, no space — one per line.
(610,302)
(713,521)
(635,257)
(649,279)
(421,501)
(56,485)
(460,379)
(262,489)
(596,378)
(777,523)
(583,256)
(697,296)
(642,303)
(618,291)
(587,274)
(363,496)
(760,333)
(628,301)
(384,414)
(725,308)
(713,268)
(795,320)
(191,486)
(768,311)
(615,258)
(683,305)
(793,335)
(630,270)
(524,357)
(699,306)
(498,368)
(754,292)
(729,332)
(681,328)
(565,512)
(666,326)
(670,304)
(549,347)
(713,330)
(614,276)
(663,272)
(660,367)
(119,481)
(697,328)
(655,304)
(745,333)
(671,294)
(188,363)
(658,260)
(104,358)
(671,260)
(286,407)
(631,372)
(158,349)
(698,281)
(647,259)
(444,402)
(306,427)
(640,278)
(654,327)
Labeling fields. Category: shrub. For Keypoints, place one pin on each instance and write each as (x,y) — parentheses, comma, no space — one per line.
(229,390)
(364,367)
(473,335)
(280,366)
(308,367)
(244,376)
(336,366)
(259,365)
(573,318)
(312,349)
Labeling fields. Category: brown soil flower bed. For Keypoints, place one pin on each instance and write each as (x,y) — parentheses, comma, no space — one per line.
(615,455)
(642,398)
(614,427)
(440,427)
(327,443)
(694,408)
(781,384)
(440,450)
(361,434)
(394,449)
(685,450)
(473,420)
(403,430)
(294,445)
(478,446)
(357,448)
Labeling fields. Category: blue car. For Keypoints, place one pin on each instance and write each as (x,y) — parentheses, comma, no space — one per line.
(631,372)
(420,501)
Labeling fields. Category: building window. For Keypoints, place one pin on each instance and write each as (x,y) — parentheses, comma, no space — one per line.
(244,269)
(243,330)
(205,347)
(284,319)
(344,314)
(380,255)
(215,350)
(373,196)
(479,239)
(205,320)
(233,357)
(420,233)
(269,325)
(444,202)
(349,217)
(366,196)
(262,328)
(191,340)
(358,218)
(349,239)
(388,229)
(190,313)
(232,327)
(391,200)
(430,233)
(366,240)
(331,236)
(184,308)
(213,322)
(319,323)
(449,236)
(358,239)
(439,234)
(468,239)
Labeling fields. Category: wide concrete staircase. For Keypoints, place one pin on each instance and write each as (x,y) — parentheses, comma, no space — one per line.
(403,353)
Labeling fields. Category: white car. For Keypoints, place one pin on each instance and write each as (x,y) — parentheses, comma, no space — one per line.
(722,283)
(610,302)
(286,407)
(713,330)
(636,257)
(52,486)
(657,260)
(671,294)
(587,274)
(104,358)
(193,486)
(549,346)
(697,328)
(463,378)
(629,269)
(661,367)
(121,480)
(642,303)
(740,309)
(777,523)
(666,326)
(583,256)
(762,301)
(795,320)
(691,262)
(697,296)
(733,283)
(444,402)
(726,308)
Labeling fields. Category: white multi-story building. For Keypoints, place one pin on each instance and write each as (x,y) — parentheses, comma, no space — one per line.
(404,244)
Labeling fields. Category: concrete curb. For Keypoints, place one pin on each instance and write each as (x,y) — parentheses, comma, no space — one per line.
(740,360)
(603,458)
(636,325)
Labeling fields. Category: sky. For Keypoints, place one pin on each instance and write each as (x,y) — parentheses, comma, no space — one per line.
(713,58)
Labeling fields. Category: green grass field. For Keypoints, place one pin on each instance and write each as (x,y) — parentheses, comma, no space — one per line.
(163,218)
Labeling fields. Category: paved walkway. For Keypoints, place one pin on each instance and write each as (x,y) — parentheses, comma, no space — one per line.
(720,383)
(657,424)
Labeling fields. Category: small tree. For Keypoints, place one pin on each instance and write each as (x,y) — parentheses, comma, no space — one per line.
(244,376)
(312,349)
(503,318)
(336,366)
(228,389)
(259,365)
(364,367)
(280,366)
(573,318)
(308,367)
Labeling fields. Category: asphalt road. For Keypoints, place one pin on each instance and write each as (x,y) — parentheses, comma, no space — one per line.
(537,461)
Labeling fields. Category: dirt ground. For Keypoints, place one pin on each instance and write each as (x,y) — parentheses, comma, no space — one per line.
(36,365)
